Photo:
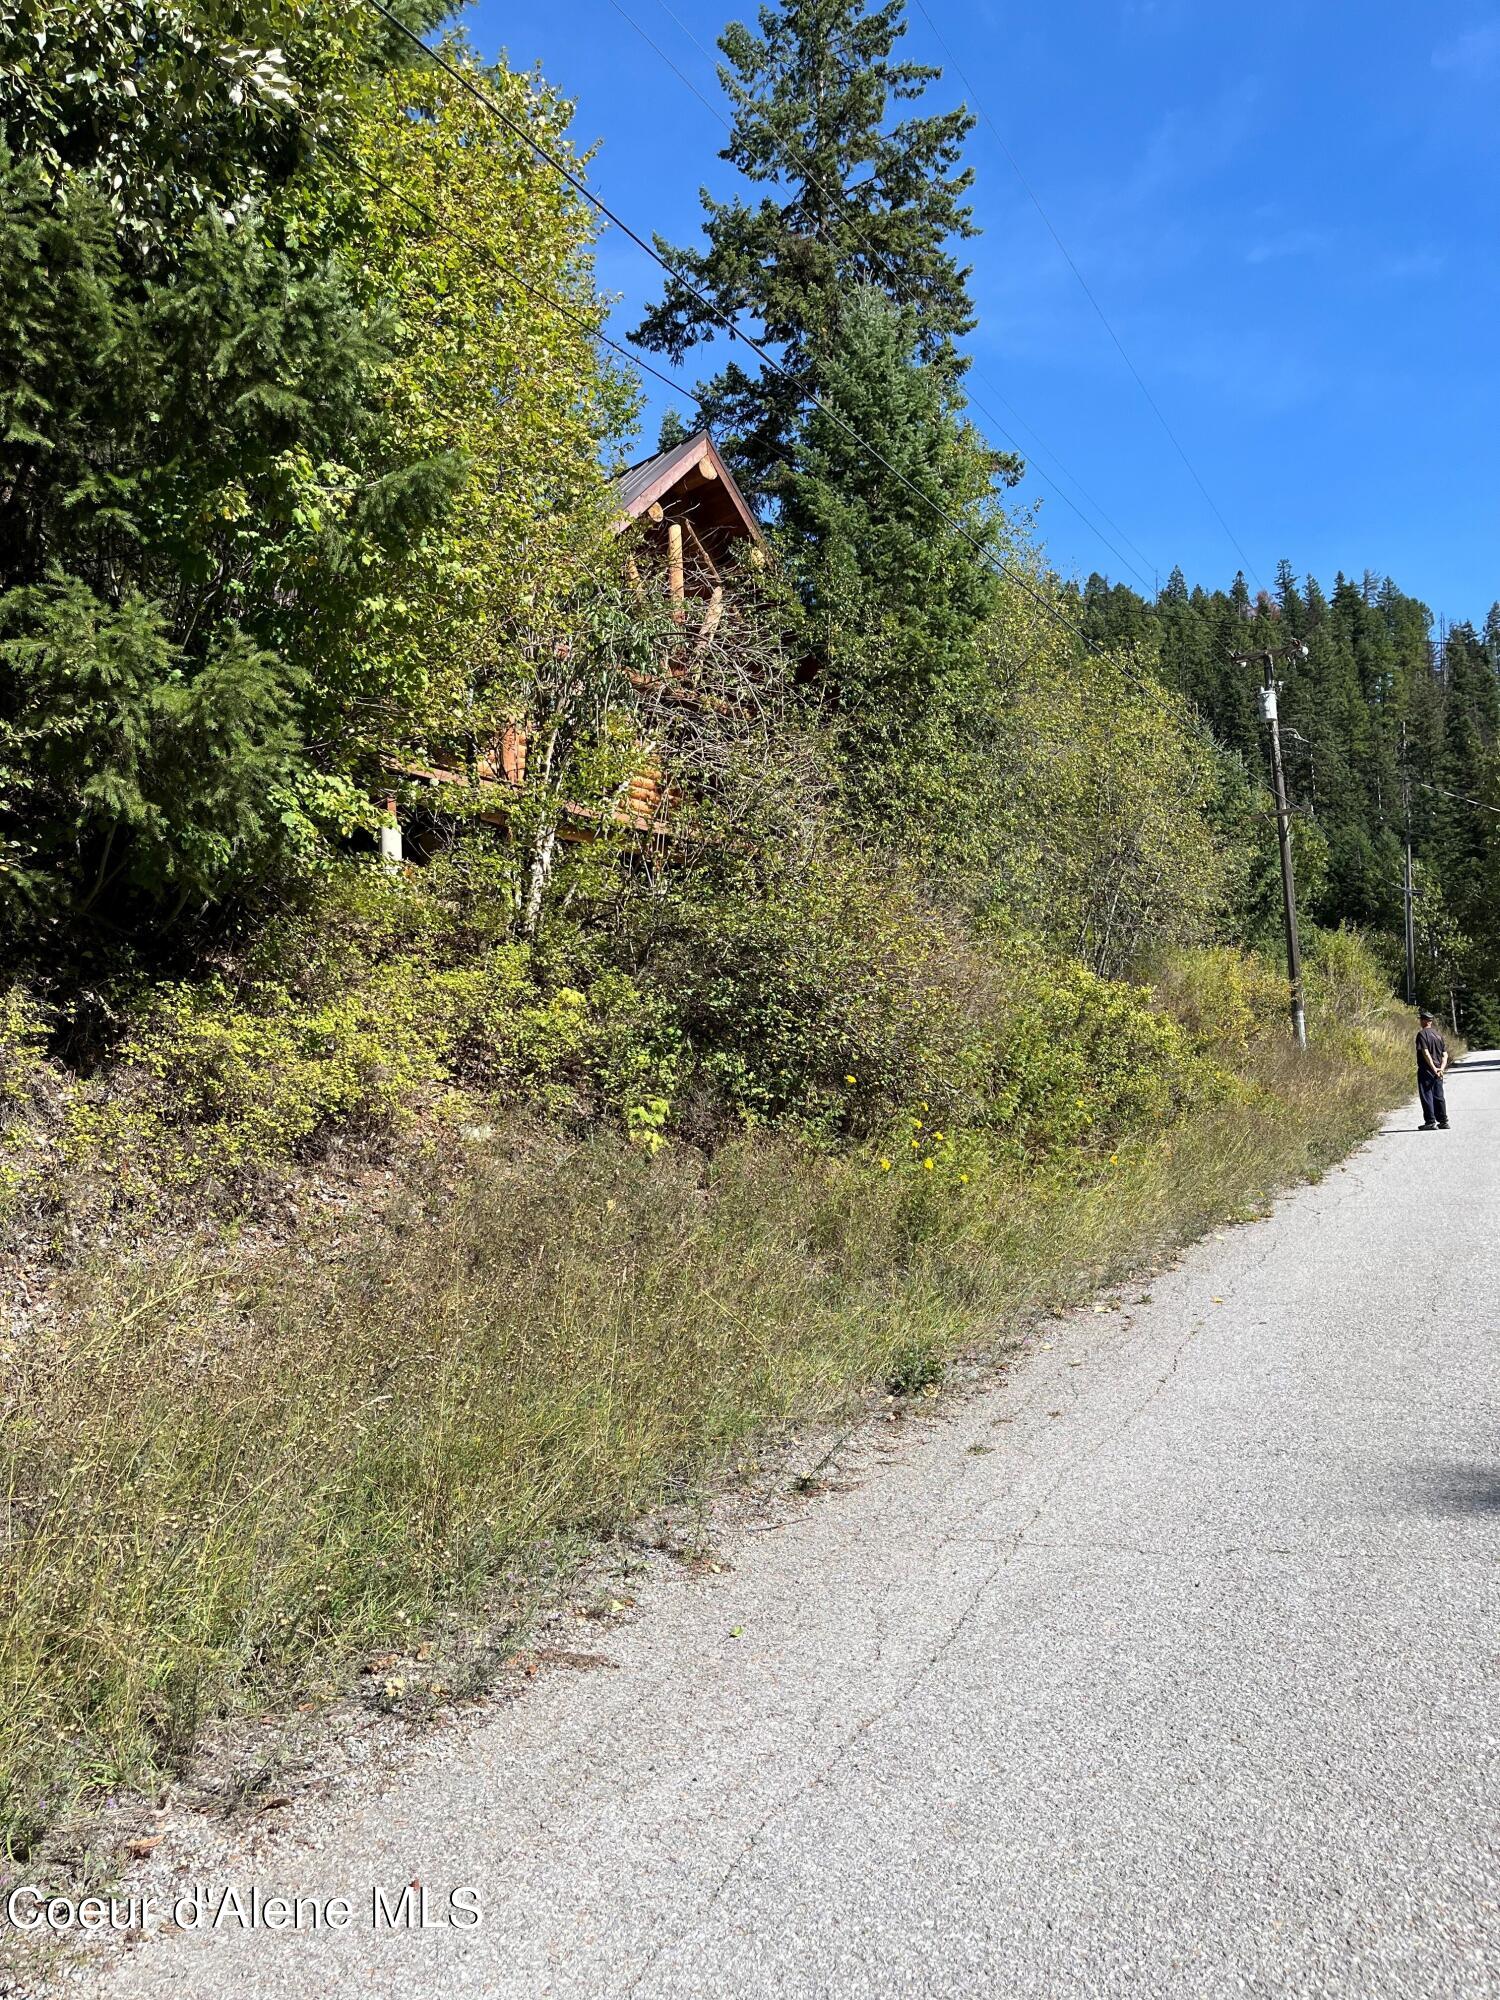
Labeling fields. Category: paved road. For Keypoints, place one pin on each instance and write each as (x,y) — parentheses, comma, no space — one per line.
(1166,1668)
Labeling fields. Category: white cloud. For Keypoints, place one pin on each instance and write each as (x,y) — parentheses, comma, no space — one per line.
(1407,266)
(1289,243)
(1476,54)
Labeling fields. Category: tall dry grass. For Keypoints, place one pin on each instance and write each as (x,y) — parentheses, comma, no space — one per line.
(223,1474)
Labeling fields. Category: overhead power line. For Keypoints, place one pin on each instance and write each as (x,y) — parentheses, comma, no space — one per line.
(801,167)
(1089,293)
(569,313)
(986,554)
(1462,797)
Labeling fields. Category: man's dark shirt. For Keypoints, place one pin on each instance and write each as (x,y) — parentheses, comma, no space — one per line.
(1430,1043)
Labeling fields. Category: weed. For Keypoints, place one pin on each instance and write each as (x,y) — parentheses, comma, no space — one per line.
(227,1474)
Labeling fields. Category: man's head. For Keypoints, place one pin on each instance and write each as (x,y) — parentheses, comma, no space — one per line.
(1424,1017)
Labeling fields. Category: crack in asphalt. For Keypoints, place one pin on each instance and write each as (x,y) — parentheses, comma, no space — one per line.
(849,1744)
(1259,1760)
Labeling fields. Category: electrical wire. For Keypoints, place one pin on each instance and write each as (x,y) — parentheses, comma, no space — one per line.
(800,167)
(986,554)
(1089,293)
(1462,797)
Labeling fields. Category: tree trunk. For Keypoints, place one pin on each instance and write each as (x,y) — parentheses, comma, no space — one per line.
(538,875)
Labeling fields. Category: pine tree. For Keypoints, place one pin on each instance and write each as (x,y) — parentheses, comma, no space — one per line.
(1186,656)
(1289,601)
(895,603)
(845,197)
(1492,638)
(1471,710)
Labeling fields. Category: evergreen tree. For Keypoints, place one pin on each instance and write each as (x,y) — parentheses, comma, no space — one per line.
(1470,725)
(1472,707)
(895,603)
(1186,658)
(1492,638)
(1289,604)
(234,489)
(847,196)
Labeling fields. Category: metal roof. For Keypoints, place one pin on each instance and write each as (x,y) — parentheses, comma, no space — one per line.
(649,479)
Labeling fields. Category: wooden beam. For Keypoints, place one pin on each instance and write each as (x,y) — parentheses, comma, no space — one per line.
(654,513)
(707,469)
(674,568)
(709,563)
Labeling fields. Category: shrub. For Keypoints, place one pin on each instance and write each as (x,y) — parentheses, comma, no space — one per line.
(836,1003)
(1223,997)
(1089,1059)
(23,1033)
(1348,998)
(371,1004)
(824,1001)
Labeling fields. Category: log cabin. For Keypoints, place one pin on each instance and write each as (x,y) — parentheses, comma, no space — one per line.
(692,525)
(693,516)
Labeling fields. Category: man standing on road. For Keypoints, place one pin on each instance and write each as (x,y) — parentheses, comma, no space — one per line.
(1432,1064)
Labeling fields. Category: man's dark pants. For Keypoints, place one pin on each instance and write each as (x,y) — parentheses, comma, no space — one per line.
(1434,1102)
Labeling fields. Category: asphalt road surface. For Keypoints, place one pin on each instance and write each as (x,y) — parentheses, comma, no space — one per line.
(1165,1667)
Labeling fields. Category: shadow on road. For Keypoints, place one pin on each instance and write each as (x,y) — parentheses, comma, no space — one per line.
(1474,1062)
(1460,1489)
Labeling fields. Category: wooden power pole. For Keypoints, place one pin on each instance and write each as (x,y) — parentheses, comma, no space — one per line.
(1284,841)
(1408,896)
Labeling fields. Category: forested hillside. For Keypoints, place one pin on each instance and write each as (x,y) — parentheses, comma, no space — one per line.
(1389,725)
(424,1217)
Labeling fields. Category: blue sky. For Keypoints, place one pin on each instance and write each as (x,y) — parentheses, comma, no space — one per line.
(1289,213)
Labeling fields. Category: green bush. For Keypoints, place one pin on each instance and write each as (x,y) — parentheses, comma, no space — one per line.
(374,1003)
(1088,1060)
(837,1004)
(846,1000)
(1348,997)
(1224,998)
(23,1033)
(256,1078)
(825,1001)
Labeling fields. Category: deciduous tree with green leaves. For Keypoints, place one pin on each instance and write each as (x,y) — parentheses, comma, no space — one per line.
(480,256)
(197,490)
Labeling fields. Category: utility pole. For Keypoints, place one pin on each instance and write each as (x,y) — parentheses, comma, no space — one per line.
(1284,841)
(1407,895)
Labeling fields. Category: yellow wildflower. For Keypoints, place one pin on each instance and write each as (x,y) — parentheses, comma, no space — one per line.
(851,1079)
(885,1166)
(928,1165)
